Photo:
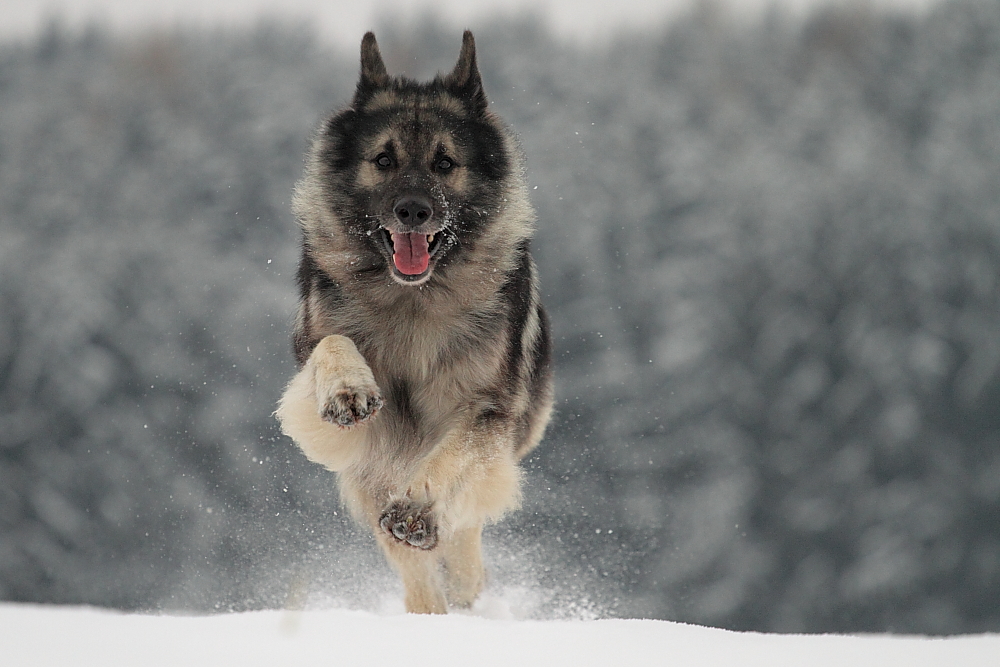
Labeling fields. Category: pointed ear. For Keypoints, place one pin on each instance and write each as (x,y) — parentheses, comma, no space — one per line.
(373,74)
(465,81)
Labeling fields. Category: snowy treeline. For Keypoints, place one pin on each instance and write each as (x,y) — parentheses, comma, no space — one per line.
(771,256)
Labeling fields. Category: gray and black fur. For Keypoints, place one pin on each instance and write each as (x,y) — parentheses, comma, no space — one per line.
(424,351)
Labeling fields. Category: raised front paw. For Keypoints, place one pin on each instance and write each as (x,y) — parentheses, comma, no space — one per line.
(346,392)
(351,406)
(410,523)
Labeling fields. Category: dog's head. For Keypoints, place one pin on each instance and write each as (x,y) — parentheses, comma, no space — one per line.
(410,176)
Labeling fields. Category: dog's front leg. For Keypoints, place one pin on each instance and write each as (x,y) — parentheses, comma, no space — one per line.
(333,394)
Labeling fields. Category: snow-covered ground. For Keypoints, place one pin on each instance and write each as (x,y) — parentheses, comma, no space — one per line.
(40,636)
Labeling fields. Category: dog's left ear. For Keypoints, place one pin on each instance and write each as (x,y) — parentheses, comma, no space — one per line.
(465,81)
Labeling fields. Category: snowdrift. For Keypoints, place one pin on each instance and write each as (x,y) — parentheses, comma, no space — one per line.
(82,636)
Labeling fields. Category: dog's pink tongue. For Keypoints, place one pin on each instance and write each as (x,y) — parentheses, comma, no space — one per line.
(410,253)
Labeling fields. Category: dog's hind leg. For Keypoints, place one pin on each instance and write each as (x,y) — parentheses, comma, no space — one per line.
(435,519)
(470,478)
(462,557)
(420,571)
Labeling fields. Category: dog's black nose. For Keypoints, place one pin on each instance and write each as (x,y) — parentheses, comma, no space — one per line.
(413,210)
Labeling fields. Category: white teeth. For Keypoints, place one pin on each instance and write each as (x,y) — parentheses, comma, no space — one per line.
(430,238)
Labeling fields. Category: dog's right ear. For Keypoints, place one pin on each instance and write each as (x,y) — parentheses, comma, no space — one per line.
(373,74)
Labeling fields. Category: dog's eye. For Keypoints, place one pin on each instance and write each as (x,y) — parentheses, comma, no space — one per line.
(444,165)
(383,161)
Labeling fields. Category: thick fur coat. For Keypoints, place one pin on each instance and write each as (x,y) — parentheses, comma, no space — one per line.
(424,351)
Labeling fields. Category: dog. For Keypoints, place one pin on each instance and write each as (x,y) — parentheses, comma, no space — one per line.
(424,353)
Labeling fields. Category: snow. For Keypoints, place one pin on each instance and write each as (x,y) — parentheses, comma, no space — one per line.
(82,636)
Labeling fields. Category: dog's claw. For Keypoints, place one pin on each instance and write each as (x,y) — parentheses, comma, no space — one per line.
(410,524)
(347,408)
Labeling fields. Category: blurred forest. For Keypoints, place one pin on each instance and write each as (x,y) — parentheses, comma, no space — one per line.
(771,254)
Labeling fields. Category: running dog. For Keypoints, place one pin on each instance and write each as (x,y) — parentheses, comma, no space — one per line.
(424,356)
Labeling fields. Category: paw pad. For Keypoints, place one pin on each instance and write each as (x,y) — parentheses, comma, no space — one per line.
(410,524)
(349,408)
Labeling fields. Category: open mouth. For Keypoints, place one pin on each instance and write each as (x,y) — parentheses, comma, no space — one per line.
(411,252)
